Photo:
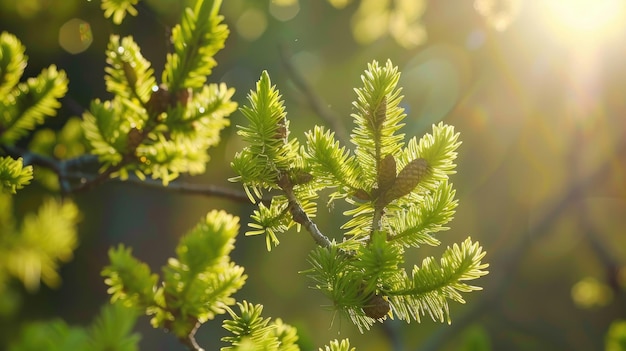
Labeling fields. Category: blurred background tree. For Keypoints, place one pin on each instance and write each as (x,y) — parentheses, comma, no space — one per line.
(534,88)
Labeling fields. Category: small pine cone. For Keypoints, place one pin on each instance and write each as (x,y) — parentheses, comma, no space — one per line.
(281,133)
(159,100)
(407,179)
(386,173)
(183,96)
(134,139)
(129,73)
(380,114)
(284,181)
(300,177)
(376,307)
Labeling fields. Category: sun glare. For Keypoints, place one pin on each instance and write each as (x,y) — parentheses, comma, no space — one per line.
(578,20)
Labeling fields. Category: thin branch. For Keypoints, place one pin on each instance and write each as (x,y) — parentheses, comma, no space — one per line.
(207,190)
(63,168)
(298,214)
(315,102)
(69,172)
(190,340)
(98,179)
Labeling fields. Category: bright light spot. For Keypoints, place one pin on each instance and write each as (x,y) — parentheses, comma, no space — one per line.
(589,293)
(251,24)
(339,4)
(371,21)
(499,14)
(284,10)
(577,20)
(586,28)
(75,36)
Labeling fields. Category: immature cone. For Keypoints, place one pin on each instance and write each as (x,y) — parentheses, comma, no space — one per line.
(129,73)
(380,114)
(386,173)
(183,96)
(159,100)
(281,132)
(407,179)
(376,307)
(135,138)
(300,177)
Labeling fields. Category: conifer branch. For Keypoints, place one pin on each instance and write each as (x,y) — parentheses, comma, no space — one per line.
(13,174)
(69,171)
(117,10)
(29,103)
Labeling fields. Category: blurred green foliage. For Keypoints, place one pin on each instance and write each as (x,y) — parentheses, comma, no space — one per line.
(110,330)
(616,337)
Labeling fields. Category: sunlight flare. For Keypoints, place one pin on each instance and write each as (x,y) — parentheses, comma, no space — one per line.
(595,20)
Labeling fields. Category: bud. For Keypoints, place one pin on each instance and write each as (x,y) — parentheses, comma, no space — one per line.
(281,132)
(380,114)
(183,96)
(134,138)
(159,100)
(300,177)
(129,73)
(386,173)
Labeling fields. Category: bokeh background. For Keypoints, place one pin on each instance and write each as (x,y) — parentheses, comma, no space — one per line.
(536,89)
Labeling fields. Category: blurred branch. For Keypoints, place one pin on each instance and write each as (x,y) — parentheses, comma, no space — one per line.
(69,173)
(509,262)
(553,336)
(603,254)
(315,102)
(391,331)
(63,168)
(207,190)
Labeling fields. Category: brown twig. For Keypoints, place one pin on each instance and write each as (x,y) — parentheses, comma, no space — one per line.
(69,172)
(299,215)
(207,190)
